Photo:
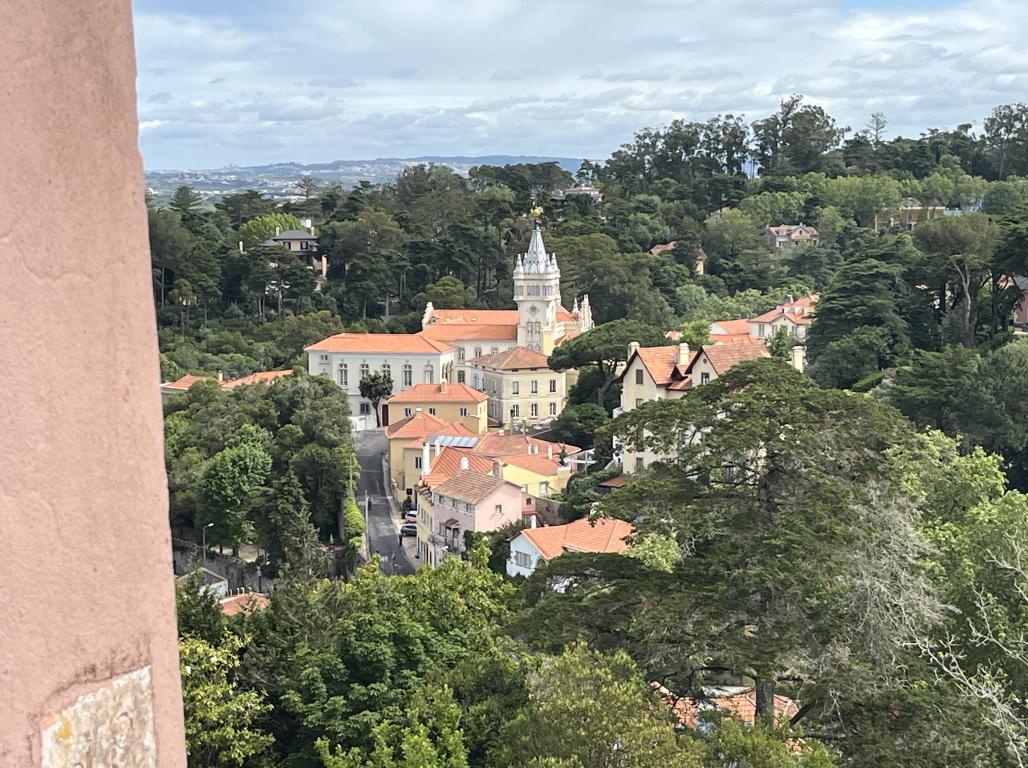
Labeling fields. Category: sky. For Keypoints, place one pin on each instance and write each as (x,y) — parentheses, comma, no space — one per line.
(258,81)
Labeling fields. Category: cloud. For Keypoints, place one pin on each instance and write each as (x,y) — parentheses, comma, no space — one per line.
(222,83)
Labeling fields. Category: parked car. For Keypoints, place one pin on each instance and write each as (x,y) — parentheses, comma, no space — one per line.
(412,517)
(409,529)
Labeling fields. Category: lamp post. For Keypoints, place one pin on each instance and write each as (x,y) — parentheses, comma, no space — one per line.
(203,538)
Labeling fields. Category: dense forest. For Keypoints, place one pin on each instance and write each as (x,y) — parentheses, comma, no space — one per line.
(854,537)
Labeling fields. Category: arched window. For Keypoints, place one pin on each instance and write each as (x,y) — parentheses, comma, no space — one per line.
(408,374)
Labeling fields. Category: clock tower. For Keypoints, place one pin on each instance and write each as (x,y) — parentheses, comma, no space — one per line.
(537,293)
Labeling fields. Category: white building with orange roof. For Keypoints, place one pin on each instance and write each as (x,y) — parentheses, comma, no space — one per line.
(522,389)
(449,401)
(535,547)
(793,315)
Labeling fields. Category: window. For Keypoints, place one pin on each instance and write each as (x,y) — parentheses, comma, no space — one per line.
(493,350)
(534,387)
(463,411)
(499,509)
(305,245)
(544,489)
(553,409)
(553,385)
(408,375)
(515,388)
(760,331)
(534,410)
(429,374)
(638,375)
(432,411)
(407,412)
(533,290)
(469,508)
(460,377)
(515,411)
(639,464)
(287,245)
(524,489)
(365,370)
(704,378)
(387,371)
(365,409)
(323,358)
(478,351)
(638,402)
(474,380)
(523,559)
(344,378)
(417,462)
(460,354)
(548,290)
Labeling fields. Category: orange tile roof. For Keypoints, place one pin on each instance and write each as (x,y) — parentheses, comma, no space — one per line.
(739,702)
(660,362)
(496,444)
(411,343)
(730,327)
(260,377)
(566,316)
(483,316)
(470,486)
(724,356)
(663,247)
(421,424)
(457,331)
(439,393)
(247,602)
(448,464)
(602,535)
(799,312)
(614,482)
(535,462)
(571,334)
(184,382)
(513,359)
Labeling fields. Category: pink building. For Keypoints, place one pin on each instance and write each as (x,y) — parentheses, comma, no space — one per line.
(469,501)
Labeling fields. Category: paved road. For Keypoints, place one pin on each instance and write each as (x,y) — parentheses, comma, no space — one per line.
(371,446)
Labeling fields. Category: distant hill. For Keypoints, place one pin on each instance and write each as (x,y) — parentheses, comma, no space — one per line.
(277,179)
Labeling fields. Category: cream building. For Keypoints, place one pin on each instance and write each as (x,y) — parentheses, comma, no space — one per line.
(795,316)
(450,402)
(668,373)
(521,388)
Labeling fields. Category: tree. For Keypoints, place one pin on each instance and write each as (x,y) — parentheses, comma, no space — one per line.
(220,719)
(604,346)
(1003,200)
(795,139)
(257,230)
(376,387)
(594,711)
(786,560)
(307,188)
(186,203)
(228,489)
(577,424)
(284,527)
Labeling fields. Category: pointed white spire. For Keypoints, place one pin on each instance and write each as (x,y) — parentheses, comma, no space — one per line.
(574,307)
(536,258)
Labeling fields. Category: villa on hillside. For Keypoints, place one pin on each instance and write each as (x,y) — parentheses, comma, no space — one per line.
(452,343)
(787,236)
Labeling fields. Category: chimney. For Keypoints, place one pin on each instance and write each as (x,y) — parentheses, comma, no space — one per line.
(240,246)
(417,411)
(798,357)
(221,377)
(426,458)
(789,299)
(633,347)
(532,520)
(278,231)
(464,464)
(684,353)
(549,451)
(497,469)
(438,446)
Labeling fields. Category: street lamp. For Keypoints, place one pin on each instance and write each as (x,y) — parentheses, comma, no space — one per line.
(203,537)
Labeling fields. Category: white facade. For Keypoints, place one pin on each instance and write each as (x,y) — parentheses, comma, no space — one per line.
(524,557)
(405,369)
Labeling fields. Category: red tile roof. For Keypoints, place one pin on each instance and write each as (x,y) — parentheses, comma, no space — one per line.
(421,424)
(448,464)
(458,331)
(724,356)
(445,392)
(730,328)
(602,535)
(660,362)
(740,702)
(483,316)
(471,487)
(496,444)
(535,462)
(799,312)
(261,377)
(184,382)
(614,482)
(513,359)
(411,343)
(247,602)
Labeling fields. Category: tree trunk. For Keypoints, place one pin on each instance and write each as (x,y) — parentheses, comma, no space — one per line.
(765,696)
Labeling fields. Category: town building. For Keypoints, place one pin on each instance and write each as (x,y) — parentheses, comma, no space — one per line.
(793,315)
(908,215)
(450,402)
(668,373)
(407,359)
(522,390)
(183,383)
(534,547)
(302,243)
(468,502)
(450,339)
(405,440)
(787,236)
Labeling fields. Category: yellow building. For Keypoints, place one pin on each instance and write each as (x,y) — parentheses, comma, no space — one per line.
(668,373)
(410,430)
(521,388)
(450,402)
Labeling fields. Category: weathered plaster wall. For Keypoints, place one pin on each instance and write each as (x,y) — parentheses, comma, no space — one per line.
(86,589)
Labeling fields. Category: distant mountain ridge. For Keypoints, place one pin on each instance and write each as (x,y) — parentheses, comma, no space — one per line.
(277,179)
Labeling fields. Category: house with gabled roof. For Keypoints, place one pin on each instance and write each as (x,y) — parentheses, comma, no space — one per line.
(786,236)
(450,401)
(412,431)
(534,547)
(793,315)
(522,389)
